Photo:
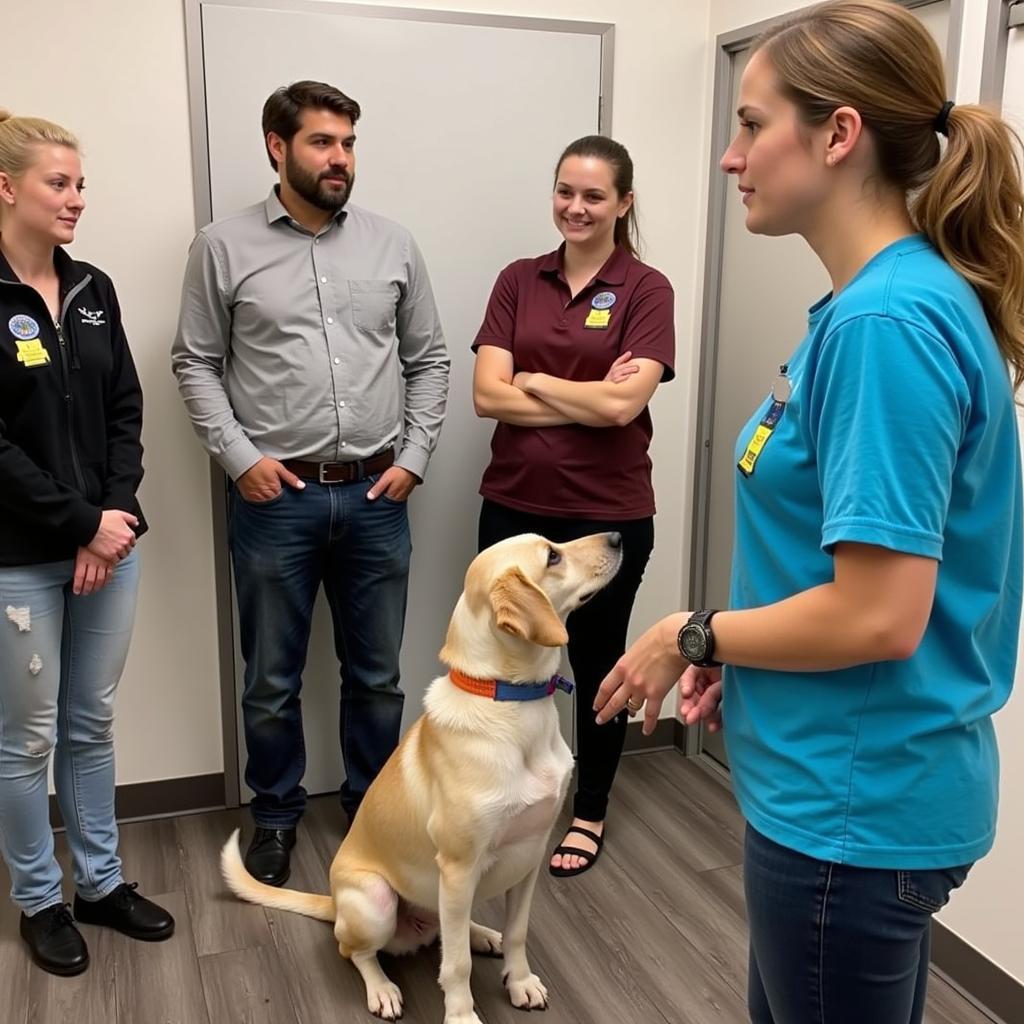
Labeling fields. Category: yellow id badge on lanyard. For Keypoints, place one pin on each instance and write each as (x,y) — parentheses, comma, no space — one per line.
(762,434)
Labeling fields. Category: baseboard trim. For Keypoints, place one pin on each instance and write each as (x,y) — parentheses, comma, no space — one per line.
(160,799)
(994,992)
(194,793)
(662,738)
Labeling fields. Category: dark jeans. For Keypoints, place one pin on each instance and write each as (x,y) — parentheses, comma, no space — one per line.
(597,637)
(834,944)
(282,550)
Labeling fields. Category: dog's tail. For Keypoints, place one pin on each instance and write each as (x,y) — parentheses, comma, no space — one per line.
(244,886)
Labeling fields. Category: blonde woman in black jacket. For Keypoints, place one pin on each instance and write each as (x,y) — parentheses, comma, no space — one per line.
(70,464)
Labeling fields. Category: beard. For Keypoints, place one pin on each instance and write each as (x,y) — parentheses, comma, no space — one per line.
(314,188)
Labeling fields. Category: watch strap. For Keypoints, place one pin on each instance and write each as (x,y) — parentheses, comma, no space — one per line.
(702,619)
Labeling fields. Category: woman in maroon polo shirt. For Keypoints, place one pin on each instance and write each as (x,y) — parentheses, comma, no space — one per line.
(572,346)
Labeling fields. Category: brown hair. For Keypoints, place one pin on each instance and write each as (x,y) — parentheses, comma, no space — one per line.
(876,57)
(627,233)
(282,113)
(19,136)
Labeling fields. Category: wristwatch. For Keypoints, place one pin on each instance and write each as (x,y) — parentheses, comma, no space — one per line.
(696,642)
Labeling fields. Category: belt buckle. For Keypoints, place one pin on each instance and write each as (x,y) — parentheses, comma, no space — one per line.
(320,472)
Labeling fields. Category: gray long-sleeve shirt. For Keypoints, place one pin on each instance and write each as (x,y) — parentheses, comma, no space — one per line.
(295,345)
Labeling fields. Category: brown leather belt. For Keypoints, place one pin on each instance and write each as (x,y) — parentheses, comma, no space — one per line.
(341,472)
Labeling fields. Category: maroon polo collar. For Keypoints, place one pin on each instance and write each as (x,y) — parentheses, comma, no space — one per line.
(612,273)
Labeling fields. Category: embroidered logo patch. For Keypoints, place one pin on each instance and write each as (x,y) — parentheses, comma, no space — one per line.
(92,317)
(23,326)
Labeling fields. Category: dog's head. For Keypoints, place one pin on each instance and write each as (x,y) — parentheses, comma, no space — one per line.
(522,589)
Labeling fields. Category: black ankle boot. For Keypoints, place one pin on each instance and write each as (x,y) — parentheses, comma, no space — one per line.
(268,858)
(57,945)
(126,911)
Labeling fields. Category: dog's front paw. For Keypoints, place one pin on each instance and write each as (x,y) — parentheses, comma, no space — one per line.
(463,1018)
(385,1001)
(527,993)
(484,941)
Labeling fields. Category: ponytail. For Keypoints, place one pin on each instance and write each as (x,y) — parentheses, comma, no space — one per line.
(972,210)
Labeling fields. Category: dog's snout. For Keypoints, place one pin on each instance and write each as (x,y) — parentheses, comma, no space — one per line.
(615,540)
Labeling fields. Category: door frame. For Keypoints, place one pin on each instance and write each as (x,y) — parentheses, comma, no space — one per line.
(997,33)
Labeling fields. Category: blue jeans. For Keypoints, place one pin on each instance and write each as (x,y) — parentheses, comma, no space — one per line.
(58,678)
(282,550)
(835,944)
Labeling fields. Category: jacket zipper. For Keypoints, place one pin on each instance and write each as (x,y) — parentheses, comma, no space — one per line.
(68,401)
(69,408)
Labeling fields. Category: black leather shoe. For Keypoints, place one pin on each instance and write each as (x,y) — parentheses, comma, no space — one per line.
(57,945)
(126,911)
(268,858)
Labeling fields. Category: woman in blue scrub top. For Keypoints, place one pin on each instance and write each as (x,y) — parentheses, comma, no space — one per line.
(876,588)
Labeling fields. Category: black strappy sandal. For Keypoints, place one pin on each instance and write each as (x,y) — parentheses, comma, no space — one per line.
(564,872)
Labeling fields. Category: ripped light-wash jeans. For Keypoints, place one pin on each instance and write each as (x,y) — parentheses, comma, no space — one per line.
(61,657)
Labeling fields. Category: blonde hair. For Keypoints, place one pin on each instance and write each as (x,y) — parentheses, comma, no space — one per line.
(20,135)
(876,57)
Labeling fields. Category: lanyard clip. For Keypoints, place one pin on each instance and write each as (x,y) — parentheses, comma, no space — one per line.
(782,387)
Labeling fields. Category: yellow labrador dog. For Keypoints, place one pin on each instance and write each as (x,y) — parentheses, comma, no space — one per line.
(463,809)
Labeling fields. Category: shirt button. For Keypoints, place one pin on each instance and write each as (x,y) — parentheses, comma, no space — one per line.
(330,319)
(343,443)
(337,361)
(341,405)
(316,241)
(323,280)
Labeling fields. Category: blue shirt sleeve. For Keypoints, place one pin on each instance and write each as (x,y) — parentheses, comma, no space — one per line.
(888,409)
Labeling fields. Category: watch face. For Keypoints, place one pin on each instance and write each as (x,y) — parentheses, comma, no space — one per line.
(694,642)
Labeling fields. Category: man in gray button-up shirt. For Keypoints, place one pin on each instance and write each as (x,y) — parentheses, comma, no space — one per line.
(301,318)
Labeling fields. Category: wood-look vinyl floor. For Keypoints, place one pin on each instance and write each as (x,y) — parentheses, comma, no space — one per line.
(654,934)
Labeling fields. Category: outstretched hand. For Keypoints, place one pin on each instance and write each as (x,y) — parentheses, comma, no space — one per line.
(644,674)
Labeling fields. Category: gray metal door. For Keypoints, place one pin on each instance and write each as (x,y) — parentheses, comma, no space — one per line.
(446,99)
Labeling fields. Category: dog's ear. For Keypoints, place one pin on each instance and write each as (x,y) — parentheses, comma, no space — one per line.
(523,609)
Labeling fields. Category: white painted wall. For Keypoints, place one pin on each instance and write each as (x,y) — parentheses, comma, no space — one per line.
(115,75)
(120,84)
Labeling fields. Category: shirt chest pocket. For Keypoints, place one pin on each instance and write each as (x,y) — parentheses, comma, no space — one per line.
(373,304)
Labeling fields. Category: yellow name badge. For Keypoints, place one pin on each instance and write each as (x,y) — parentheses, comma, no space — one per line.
(599,318)
(32,353)
(762,433)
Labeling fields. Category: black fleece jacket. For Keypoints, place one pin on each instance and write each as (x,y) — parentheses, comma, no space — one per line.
(70,415)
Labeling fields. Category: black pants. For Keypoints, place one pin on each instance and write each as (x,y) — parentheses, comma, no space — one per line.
(597,637)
